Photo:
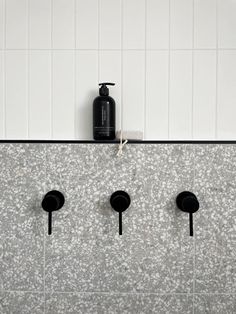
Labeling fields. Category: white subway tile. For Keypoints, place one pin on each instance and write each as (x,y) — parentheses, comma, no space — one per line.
(2,96)
(133,91)
(134,24)
(40,94)
(181,24)
(87,24)
(39,24)
(180,115)
(16,94)
(63,24)
(17,24)
(204,101)
(2,23)
(188,116)
(63,95)
(205,24)
(110,71)
(157,24)
(157,95)
(227,95)
(227,23)
(110,24)
(86,91)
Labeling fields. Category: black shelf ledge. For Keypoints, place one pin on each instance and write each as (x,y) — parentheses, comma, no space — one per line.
(117,141)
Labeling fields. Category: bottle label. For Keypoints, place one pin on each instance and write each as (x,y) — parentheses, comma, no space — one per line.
(102,128)
(104,116)
(104,131)
(104,119)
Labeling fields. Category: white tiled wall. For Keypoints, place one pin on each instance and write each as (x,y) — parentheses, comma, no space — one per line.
(173,62)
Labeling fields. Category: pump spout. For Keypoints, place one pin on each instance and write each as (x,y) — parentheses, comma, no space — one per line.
(104,90)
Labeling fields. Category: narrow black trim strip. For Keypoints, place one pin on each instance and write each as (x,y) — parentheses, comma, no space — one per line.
(117,141)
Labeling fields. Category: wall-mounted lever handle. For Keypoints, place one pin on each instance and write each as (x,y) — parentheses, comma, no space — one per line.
(52,201)
(120,201)
(188,202)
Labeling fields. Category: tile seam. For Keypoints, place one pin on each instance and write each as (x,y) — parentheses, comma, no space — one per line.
(217,66)
(122,63)
(99,38)
(28,71)
(4,72)
(118,293)
(75,69)
(117,49)
(44,226)
(169,72)
(51,74)
(145,73)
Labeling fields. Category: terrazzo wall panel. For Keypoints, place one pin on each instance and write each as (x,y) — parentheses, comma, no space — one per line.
(85,266)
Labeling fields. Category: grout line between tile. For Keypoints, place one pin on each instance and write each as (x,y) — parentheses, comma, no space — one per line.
(28,95)
(145,74)
(4,71)
(75,69)
(193,40)
(117,49)
(217,61)
(132,293)
(118,127)
(99,35)
(120,293)
(122,63)
(51,87)
(23,291)
(169,60)
(194,240)
(44,230)
(28,70)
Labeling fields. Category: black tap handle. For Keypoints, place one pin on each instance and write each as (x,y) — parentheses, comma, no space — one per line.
(120,201)
(52,201)
(49,223)
(191,224)
(120,223)
(188,202)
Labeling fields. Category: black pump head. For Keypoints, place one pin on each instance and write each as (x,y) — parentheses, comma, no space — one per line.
(104,90)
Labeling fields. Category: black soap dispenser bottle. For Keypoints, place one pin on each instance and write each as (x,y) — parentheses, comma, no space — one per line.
(104,114)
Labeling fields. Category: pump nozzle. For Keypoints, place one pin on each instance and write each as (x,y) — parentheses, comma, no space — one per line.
(106,84)
(104,90)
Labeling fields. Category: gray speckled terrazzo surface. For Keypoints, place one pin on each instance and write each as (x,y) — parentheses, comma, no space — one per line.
(85,266)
